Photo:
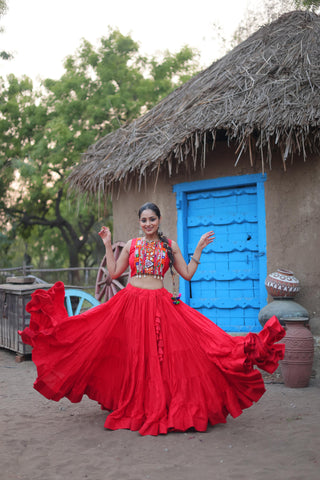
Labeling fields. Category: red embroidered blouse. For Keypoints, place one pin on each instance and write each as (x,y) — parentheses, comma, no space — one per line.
(148,258)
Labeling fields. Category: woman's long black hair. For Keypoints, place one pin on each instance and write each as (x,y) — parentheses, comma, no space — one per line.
(162,237)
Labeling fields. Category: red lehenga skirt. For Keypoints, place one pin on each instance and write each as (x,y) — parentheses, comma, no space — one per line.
(157,367)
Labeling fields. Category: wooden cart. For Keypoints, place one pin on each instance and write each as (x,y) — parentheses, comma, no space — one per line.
(13,315)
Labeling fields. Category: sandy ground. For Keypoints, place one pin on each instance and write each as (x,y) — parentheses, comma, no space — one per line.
(278,438)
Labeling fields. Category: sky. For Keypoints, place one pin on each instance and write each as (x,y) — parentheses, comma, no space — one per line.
(41,33)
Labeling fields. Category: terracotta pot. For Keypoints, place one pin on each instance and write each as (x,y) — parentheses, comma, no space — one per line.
(282,308)
(296,367)
(282,283)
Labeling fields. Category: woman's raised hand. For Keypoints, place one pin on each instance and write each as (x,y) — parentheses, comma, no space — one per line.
(206,239)
(105,235)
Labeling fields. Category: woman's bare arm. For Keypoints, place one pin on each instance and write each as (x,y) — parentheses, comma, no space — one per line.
(115,267)
(188,270)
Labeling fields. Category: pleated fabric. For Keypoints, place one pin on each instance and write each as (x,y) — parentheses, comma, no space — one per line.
(157,367)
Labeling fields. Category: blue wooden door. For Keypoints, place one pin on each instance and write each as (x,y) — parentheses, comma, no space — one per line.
(228,286)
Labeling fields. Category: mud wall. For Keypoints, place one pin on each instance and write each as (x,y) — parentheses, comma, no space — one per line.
(292,201)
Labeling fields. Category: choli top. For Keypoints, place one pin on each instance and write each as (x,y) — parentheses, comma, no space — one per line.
(148,258)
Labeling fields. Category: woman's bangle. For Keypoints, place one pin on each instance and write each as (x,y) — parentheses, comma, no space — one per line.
(195,260)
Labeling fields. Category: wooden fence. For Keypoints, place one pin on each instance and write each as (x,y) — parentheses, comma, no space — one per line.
(86,278)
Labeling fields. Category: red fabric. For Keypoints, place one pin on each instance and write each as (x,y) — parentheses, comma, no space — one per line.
(156,366)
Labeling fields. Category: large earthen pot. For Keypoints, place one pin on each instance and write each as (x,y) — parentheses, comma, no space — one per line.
(296,367)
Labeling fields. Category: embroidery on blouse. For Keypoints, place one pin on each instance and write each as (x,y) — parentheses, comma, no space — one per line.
(149,258)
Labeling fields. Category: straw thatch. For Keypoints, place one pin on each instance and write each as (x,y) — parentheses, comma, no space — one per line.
(262,96)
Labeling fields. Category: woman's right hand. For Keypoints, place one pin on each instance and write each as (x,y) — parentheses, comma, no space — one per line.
(105,235)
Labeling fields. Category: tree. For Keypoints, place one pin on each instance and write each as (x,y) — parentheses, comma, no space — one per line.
(308,4)
(3,10)
(43,134)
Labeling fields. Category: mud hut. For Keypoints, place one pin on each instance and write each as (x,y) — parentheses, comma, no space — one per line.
(235,149)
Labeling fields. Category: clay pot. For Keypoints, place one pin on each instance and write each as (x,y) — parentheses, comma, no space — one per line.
(282,283)
(296,367)
(282,308)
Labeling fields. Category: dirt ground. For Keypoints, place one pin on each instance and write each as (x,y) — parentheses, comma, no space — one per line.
(278,438)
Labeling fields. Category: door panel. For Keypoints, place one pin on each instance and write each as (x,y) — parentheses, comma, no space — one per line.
(227,287)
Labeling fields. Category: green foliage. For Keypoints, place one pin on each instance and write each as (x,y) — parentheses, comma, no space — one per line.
(43,134)
(3,10)
(308,4)
(3,7)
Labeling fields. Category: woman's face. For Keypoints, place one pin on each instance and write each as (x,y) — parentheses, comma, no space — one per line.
(149,222)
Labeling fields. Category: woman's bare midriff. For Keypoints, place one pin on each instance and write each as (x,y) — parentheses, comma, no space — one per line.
(148,282)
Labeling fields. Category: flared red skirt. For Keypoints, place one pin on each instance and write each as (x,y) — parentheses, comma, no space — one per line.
(157,367)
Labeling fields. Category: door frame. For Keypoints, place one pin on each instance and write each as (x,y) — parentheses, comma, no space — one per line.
(182,189)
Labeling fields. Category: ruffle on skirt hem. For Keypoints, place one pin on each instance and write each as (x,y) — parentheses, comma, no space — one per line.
(157,367)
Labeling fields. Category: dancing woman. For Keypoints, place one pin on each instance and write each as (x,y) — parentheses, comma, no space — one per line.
(153,362)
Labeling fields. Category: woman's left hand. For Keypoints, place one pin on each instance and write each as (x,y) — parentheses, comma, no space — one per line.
(206,239)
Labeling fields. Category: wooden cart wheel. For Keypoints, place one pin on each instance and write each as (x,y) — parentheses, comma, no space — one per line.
(77,301)
(107,287)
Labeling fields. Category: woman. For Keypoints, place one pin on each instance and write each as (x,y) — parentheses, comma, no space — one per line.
(155,363)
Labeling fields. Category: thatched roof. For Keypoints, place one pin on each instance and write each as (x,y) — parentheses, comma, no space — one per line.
(263,95)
